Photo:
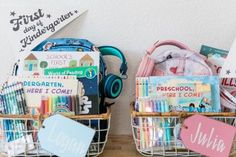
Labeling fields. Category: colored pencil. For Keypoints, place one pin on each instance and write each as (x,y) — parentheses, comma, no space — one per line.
(42,106)
(137,87)
(49,104)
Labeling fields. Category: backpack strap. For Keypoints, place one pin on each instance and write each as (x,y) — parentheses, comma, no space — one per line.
(167,42)
(180,55)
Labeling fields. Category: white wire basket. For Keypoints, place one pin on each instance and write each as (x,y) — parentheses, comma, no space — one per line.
(24,142)
(157,134)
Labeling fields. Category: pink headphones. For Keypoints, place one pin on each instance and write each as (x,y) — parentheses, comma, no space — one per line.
(179,62)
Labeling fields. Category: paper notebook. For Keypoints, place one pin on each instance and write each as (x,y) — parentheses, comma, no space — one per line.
(37,86)
(87,87)
(182,93)
(35,62)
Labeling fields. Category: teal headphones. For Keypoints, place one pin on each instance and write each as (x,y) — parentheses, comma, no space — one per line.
(111,85)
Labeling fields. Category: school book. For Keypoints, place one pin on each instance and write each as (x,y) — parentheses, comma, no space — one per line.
(186,93)
(37,87)
(87,87)
(181,93)
(35,62)
(215,57)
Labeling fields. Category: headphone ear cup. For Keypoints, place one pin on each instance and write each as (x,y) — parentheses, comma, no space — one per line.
(112,86)
(146,67)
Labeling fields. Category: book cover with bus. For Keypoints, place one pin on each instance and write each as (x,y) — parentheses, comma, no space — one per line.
(187,93)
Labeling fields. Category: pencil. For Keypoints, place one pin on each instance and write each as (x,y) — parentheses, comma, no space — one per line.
(46,106)
(42,106)
(54,103)
(49,104)
(69,102)
(22,95)
(137,87)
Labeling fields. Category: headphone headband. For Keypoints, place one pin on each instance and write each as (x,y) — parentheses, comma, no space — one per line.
(110,50)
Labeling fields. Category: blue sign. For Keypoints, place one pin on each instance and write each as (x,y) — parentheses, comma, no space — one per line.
(65,137)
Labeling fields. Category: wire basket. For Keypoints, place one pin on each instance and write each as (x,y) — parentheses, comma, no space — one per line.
(25,142)
(157,134)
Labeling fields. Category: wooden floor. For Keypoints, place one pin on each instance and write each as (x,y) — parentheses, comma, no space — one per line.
(120,146)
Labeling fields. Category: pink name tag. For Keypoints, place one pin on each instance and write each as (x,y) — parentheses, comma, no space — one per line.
(207,136)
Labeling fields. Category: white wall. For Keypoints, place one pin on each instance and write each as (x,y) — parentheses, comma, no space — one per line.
(133,26)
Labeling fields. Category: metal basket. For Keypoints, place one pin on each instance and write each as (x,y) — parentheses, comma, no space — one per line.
(149,131)
(101,123)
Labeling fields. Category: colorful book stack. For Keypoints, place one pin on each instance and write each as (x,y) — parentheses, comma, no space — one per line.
(83,65)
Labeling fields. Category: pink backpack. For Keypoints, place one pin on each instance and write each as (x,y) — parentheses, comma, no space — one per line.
(179,62)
